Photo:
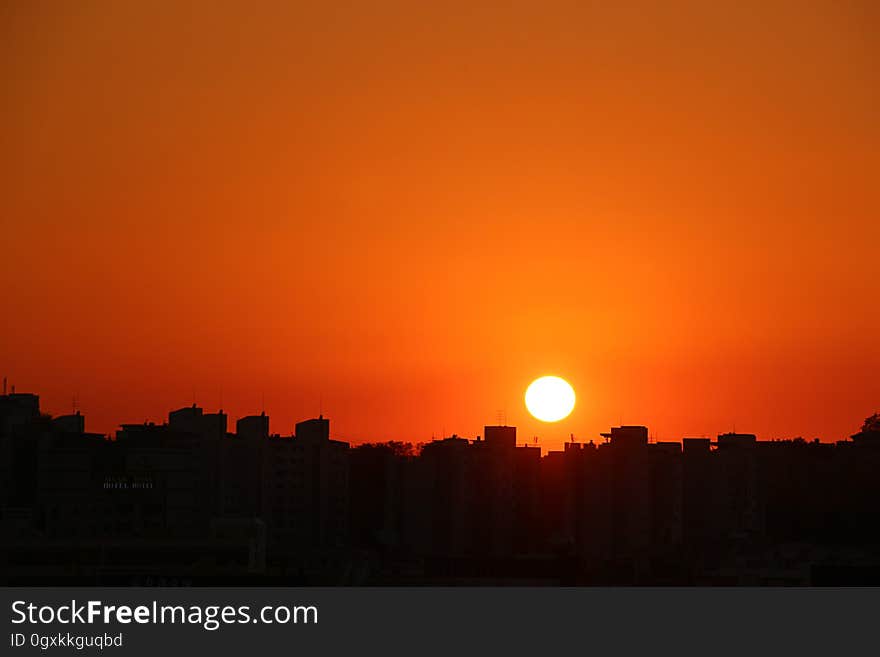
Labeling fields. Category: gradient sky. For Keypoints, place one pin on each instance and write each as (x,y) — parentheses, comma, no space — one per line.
(401,214)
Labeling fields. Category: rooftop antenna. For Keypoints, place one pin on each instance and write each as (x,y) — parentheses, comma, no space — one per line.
(263,401)
(501,417)
(221,397)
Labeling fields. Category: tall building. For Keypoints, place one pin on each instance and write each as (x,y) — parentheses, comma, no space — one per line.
(314,431)
(242,458)
(737,503)
(627,436)
(500,436)
(253,428)
(441,514)
(18,415)
(376,494)
(305,488)
(698,494)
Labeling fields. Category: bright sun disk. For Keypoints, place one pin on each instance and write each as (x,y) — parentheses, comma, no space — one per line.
(550,398)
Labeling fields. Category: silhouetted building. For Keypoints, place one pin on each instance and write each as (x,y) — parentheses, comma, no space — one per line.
(243,462)
(19,424)
(305,488)
(440,492)
(737,499)
(627,437)
(500,436)
(314,431)
(75,424)
(377,495)
(698,494)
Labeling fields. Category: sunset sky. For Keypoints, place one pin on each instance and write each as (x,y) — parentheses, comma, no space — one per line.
(400,213)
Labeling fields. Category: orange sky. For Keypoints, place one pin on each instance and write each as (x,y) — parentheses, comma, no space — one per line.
(402,214)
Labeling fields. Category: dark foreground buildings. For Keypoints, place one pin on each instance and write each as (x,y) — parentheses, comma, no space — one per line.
(189,502)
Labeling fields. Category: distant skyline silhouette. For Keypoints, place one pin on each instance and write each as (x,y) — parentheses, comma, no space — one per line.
(197,499)
(537,440)
(550,435)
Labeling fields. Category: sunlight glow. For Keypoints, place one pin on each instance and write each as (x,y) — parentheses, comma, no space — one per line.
(550,398)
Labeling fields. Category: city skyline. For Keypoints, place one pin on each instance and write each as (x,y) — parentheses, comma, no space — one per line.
(190,502)
(500,419)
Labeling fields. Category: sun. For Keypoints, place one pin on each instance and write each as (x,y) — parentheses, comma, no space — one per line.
(550,398)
